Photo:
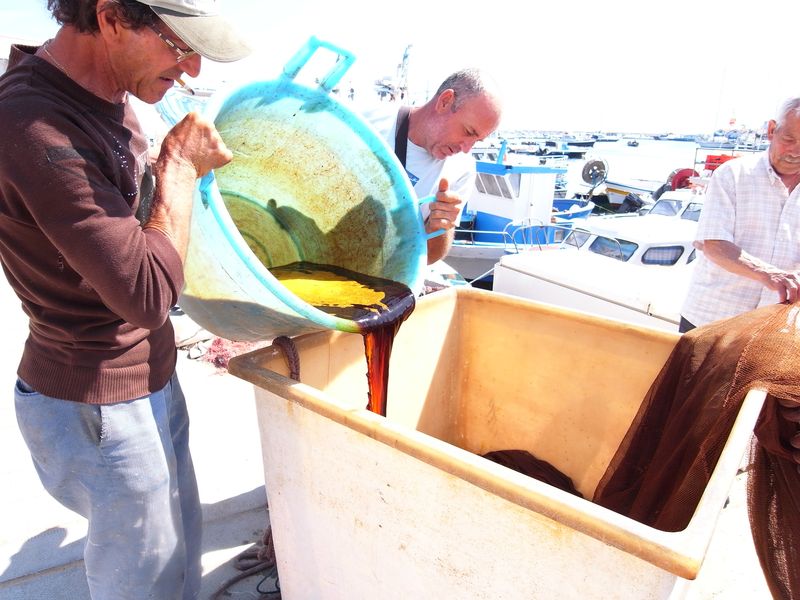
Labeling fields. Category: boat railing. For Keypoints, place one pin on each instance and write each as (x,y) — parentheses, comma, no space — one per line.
(528,234)
(533,234)
(469,235)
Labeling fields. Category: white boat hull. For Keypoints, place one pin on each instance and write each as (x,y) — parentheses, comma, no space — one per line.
(647,296)
(474,260)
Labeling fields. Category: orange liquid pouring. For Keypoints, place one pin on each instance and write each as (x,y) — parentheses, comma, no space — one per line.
(378,306)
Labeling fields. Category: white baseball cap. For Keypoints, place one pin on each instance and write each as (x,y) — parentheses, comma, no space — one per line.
(200,25)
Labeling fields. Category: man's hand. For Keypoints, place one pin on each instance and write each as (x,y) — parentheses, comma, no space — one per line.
(786,283)
(195,140)
(190,150)
(444,210)
(443,215)
(790,411)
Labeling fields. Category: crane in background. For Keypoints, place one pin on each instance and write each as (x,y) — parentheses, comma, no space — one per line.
(395,88)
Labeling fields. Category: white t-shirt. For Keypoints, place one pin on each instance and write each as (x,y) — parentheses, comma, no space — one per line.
(423,170)
(747,204)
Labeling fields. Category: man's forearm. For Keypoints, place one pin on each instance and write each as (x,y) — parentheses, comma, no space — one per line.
(731,257)
(439,246)
(172,204)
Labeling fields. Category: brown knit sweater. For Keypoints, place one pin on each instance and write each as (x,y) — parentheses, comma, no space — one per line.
(96,288)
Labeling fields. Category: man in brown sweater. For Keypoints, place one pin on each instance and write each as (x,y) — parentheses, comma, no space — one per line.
(97,399)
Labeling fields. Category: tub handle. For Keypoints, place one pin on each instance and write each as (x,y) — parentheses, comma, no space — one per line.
(206,187)
(344,61)
(438,232)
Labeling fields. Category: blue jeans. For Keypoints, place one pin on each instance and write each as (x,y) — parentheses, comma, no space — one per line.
(127,468)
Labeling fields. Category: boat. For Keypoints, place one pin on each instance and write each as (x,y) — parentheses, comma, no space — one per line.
(566,148)
(580,142)
(642,193)
(617,189)
(512,207)
(633,143)
(632,268)
(685,203)
(475,251)
(609,138)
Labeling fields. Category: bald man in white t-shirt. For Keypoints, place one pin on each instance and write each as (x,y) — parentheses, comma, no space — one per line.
(440,135)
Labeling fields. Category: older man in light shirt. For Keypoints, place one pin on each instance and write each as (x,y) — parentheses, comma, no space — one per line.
(749,230)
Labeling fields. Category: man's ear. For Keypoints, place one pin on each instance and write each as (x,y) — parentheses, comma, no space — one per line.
(445,101)
(107,19)
(771,127)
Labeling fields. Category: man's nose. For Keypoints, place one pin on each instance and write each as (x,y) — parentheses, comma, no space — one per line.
(191,66)
(467,146)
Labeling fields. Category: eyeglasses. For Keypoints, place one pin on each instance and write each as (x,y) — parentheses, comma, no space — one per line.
(180,52)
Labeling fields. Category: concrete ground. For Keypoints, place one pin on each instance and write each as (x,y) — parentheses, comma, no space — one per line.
(41,542)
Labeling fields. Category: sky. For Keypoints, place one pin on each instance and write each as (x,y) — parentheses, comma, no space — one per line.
(675,66)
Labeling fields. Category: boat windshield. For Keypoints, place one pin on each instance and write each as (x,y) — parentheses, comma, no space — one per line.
(613,248)
(577,238)
(668,208)
(692,212)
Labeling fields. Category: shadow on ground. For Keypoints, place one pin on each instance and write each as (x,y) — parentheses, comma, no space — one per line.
(45,568)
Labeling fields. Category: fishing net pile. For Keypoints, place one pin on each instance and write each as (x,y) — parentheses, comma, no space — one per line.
(665,461)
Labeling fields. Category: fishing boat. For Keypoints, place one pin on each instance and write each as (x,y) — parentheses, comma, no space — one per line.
(618,189)
(644,192)
(512,207)
(632,268)
(685,203)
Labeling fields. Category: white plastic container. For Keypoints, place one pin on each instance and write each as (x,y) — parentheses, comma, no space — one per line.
(363,506)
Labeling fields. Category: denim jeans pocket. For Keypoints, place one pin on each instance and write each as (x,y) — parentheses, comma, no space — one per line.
(23,388)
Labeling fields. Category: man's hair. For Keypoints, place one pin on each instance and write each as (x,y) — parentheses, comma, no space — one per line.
(466,83)
(788,108)
(82,14)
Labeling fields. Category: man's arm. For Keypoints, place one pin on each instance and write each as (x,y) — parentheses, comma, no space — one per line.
(732,258)
(439,246)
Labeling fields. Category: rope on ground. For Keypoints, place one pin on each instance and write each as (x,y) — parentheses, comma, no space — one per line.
(258,558)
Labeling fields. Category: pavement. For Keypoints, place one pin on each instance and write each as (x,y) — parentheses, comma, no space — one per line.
(41,543)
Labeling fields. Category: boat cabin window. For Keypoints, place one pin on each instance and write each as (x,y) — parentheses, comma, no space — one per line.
(692,256)
(505,186)
(692,212)
(662,255)
(613,248)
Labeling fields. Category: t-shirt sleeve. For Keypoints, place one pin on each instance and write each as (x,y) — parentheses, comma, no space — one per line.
(718,217)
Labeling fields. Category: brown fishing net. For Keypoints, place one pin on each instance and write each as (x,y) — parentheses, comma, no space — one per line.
(526,463)
(665,461)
